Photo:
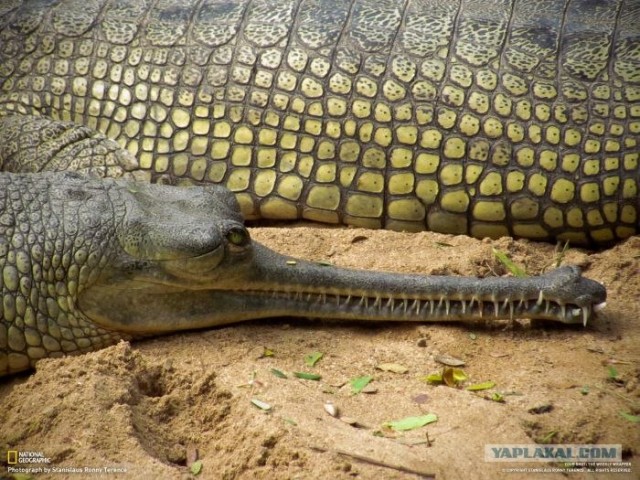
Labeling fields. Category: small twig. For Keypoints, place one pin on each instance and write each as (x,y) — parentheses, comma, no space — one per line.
(374,461)
(561,254)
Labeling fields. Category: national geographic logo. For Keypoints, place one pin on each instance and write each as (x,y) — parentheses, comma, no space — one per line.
(33,463)
(15,457)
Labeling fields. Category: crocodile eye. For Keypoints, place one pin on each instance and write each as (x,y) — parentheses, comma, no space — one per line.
(238,236)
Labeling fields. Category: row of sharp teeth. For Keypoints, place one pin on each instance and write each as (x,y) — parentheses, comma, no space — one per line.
(416,306)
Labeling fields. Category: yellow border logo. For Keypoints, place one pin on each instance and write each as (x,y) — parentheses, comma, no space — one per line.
(12,457)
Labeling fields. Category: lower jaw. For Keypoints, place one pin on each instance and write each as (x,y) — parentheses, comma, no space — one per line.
(413,309)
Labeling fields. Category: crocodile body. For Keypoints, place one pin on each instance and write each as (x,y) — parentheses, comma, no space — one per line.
(488,118)
(85,262)
(507,117)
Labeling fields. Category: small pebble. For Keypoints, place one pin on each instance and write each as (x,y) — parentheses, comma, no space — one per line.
(331,409)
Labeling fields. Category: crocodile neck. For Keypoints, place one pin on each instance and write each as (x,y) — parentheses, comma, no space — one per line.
(521,120)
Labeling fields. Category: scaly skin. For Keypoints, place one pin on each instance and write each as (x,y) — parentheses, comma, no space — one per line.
(512,117)
(85,262)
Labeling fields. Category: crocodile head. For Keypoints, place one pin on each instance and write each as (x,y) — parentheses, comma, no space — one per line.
(184,259)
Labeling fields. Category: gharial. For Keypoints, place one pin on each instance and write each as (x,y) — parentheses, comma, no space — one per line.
(507,117)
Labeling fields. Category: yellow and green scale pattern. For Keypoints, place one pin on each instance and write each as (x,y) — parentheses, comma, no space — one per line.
(479,117)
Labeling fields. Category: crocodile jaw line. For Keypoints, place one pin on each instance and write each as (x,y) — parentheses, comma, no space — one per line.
(266,284)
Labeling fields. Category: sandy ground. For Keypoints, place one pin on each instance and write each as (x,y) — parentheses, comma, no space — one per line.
(149,409)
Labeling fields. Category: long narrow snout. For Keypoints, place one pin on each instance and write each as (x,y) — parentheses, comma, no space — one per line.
(287,286)
(267,284)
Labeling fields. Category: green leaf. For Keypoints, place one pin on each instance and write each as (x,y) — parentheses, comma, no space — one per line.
(196,467)
(515,269)
(631,418)
(547,438)
(613,373)
(411,423)
(459,376)
(278,373)
(453,376)
(481,386)
(308,376)
(358,383)
(497,397)
(433,378)
(585,390)
(268,352)
(473,336)
(312,358)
